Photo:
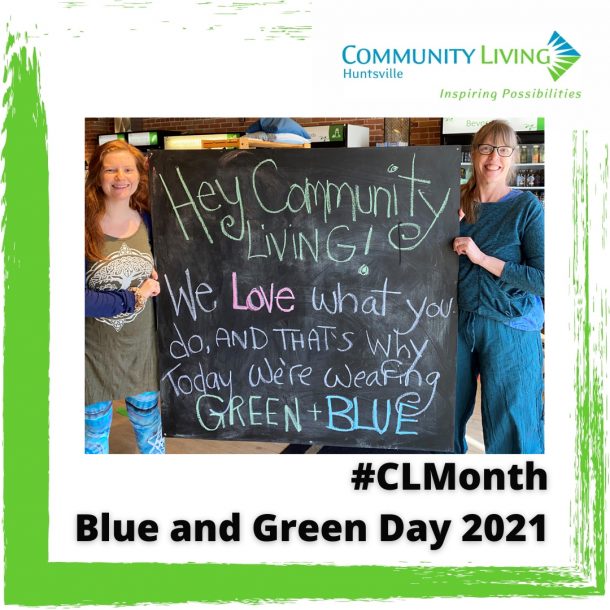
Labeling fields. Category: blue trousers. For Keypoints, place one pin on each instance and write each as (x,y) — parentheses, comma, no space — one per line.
(145,418)
(509,362)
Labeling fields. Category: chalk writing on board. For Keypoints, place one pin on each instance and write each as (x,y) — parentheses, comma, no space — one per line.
(222,205)
(308,295)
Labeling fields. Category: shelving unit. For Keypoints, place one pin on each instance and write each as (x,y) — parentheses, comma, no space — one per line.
(524,170)
(528,156)
(245,143)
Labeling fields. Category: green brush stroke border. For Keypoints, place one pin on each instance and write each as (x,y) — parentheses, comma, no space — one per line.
(31,580)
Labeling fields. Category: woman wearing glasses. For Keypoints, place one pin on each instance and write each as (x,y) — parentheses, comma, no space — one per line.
(500,285)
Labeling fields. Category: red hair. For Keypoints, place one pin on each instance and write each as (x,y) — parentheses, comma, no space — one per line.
(95,203)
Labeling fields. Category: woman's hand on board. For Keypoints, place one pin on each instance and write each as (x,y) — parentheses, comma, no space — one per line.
(149,288)
(466,245)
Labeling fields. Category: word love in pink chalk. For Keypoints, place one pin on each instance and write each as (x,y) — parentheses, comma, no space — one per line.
(259,298)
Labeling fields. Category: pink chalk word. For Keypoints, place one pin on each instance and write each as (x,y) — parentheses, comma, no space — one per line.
(258,298)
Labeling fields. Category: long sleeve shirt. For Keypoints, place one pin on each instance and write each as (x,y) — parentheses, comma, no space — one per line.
(511,230)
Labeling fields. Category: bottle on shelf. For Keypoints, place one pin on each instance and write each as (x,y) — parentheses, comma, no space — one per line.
(522,154)
(526,154)
(520,180)
(535,153)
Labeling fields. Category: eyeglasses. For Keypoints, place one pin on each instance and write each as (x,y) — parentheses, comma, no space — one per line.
(503,151)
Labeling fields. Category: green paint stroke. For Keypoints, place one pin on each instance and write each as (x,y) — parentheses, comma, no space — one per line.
(604,168)
(590,309)
(26,314)
(131,4)
(227,9)
(31,580)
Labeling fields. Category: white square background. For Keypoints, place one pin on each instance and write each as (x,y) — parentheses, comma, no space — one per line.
(183,59)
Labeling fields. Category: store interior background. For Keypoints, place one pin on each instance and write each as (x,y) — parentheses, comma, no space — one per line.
(381,132)
(417,132)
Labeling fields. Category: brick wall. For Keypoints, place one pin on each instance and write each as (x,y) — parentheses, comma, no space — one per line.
(425,132)
(93,129)
(230,125)
(422,131)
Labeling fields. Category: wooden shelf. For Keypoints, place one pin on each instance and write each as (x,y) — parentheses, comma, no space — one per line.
(245,143)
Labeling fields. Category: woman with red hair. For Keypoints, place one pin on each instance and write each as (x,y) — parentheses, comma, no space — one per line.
(120,279)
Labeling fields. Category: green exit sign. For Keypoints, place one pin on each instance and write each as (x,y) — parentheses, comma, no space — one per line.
(336,133)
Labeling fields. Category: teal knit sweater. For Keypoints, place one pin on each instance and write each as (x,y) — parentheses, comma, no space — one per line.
(512,230)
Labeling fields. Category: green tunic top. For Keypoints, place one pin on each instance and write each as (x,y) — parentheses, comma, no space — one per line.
(121,352)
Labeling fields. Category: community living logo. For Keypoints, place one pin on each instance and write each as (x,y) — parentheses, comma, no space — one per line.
(558,57)
(565,56)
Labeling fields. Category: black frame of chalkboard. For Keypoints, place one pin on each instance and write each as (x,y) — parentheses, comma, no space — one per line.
(201,251)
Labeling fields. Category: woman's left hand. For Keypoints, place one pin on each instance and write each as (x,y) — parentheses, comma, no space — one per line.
(466,245)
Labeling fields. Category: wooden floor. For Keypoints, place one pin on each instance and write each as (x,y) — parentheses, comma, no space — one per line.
(122,439)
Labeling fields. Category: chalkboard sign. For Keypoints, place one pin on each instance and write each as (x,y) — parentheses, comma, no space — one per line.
(308,296)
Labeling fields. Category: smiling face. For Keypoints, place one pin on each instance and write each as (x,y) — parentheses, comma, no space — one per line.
(492,169)
(119,176)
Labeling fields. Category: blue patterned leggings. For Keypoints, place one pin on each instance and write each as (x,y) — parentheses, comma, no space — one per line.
(145,418)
